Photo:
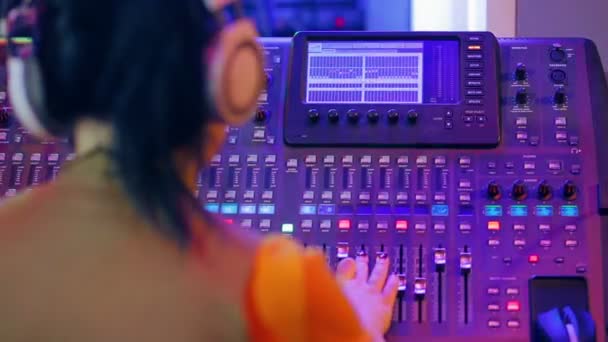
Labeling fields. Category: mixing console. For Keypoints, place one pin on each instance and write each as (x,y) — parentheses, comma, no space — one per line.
(473,162)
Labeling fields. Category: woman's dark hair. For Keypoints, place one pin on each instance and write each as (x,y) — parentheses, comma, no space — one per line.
(139,65)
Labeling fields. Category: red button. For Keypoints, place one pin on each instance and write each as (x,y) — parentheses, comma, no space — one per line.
(533,259)
(401,225)
(344,224)
(513,306)
(229,221)
(494,225)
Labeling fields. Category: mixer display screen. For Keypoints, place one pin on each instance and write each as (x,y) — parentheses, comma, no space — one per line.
(397,72)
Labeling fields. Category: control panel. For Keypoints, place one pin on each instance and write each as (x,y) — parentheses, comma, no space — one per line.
(473,162)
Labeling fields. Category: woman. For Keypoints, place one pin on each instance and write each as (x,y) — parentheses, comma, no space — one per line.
(117,249)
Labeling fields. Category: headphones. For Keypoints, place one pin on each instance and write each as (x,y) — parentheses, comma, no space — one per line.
(235,67)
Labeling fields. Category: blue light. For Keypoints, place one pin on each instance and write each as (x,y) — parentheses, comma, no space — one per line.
(569,211)
(544,210)
(308,210)
(230,208)
(327,209)
(440,210)
(402,210)
(346,210)
(518,210)
(266,209)
(465,210)
(248,209)
(383,210)
(493,210)
(421,210)
(212,207)
(364,210)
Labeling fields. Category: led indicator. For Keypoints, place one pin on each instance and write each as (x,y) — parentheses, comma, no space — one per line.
(513,306)
(518,210)
(248,209)
(533,259)
(544,210)
(308,210)
(212,207)
(440,210)
(493,210)
(327,209)
(569,211)
(401,225)
(230,209)
(494,225)
(344,224)
(287,228)
(267,209)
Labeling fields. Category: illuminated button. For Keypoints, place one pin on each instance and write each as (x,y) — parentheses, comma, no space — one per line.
(529,166)
(212,207)
(402,196)
(265,224)
(311,159)
(518,210)
(36,157)
(271,159)
(512,291)
(308,195)
(259,134)
(329,159)
(366,160)
(521,136)
(230,209)
(346,196)
(493,242)
(382,225)
(464,183)
(327,195)
(325,224)
(493,307)
(440,256)
(561,136)
(248,223)
(581,269)
(420,285)
(327,209)
(575,169)
(493,210)
(249,195)
(229,222)
(493,323)
(513,306)
(439,197)
(474,47)
(519,242)
(287,228)
(421,160)
(383,196)
(494,225)
(555,165)
(308,210)
(364,196)
(544,227)
(403,160)
(363,225)
(570,228)
(421,197)
(232,140)
(347,160)
(252,159)
(401,225)
(248,209)
(344,224)
(440,210)
(292,163)
(569,211)
(216,159)
(440,161)
(544,210)
(493,291)
(384,160)
(521,121)
(306,224)
(561,121)
(545,243)
(513,324)
(533,259)
(267,195)
(464,197)
(17,157)
(574,141)
(234,159)
(420,228)
(212,195)
(267,209)
(439,227)
(230,195)
(464,227)
(464,161)
(571,243)
(468,118)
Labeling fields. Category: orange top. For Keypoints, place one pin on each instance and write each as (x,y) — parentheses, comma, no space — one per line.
(293,296)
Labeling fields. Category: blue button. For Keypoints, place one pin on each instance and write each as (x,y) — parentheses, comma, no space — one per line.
(518,210)
(327,209)
(421,210)
(544,210)
(230,208)
(569,211)
(266,209)
(440,210)
(346,210)
(364,210)
(248,209)
(402,210)
(493,210)
(383,210)
(465,210)
(212,207)
(308,210)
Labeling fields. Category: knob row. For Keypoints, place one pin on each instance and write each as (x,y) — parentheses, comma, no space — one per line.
(354,116)
(522,97)
(520,191)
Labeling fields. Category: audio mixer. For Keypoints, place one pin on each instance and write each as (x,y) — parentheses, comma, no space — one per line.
(475,163)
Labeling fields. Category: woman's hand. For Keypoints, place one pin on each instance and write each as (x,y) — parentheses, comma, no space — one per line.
(372,296)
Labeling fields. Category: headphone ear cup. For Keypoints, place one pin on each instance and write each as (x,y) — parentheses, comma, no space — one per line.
(26,94)
(237,73)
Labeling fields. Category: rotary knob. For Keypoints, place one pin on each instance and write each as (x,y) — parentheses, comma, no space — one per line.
(393,116)
(261,115)
(545,191)
(412,116)
(521,72)
(333,116)
(373,116)
(521,98)
(560,97)
(570,191)
(5,118)
(520,191)
(313,115)
(353,116)
(494,191)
